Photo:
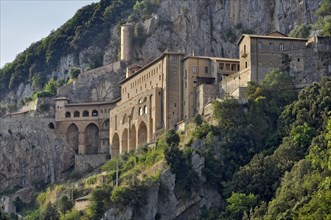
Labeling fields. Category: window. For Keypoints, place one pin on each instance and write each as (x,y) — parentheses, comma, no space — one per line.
(195,69)
(94,113)
(233,67)
(68,115)
(281,46)
(227,66)
(259,45)
(298,59)
(271,46)
(86,113)
(185,74)
(291,46)
(145,109)
(140,111)
(174,59)
(221,66)
(206,69)
(76,114)
(246,65)
(244,49)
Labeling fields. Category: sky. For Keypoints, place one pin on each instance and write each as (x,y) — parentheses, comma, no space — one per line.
(23,22)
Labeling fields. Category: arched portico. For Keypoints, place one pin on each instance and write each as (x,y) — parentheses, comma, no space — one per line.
(73,137)
(115,147)
(124,141)
(132,140)
(91,139)
(142,134)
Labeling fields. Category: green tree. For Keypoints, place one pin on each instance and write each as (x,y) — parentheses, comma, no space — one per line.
(240,203)
(301,31)
(324,20)
(172,138)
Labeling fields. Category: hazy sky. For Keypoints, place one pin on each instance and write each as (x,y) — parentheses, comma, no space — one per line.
(26,21)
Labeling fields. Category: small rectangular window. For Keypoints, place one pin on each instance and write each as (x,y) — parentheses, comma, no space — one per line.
(206,69)
(281,46)
(271,46)
(260,46)
(195,69)
(291,46)
(221,66)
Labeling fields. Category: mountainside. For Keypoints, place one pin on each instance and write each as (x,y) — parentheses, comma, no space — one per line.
(264,159)
(200,27)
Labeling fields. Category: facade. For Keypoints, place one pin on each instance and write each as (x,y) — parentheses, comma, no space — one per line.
(306,60)
(173,88)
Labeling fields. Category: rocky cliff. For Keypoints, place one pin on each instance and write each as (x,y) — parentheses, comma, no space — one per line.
(30,153)
(213,27)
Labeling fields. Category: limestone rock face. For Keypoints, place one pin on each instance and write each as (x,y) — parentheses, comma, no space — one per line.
(212,27)
(29,153)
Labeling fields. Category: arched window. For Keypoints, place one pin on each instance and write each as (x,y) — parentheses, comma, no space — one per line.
(51,125)
(140,111)
(68,115)
(86,113)
(76,114)
(145,110)
(94,113)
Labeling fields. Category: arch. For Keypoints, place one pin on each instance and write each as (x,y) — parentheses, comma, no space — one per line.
(133,138)
(125,119)
(133,116)
(115,147)
(140,111)
(68,115)
(145,110)
(86,113)
(76,114)
(142,134)
(151,136)
(105,125)
(94,113)
(51,125)
(73,137)
(91,139)
(124,141)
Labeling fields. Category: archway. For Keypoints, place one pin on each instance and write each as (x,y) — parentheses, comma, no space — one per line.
(115,147)
(124,141)
(105,125)
(73,137)
(142,134)
(73,146)
(133,138)
(151,136)
(91,139)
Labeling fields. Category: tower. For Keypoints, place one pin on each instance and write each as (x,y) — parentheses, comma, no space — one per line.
(127,34)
